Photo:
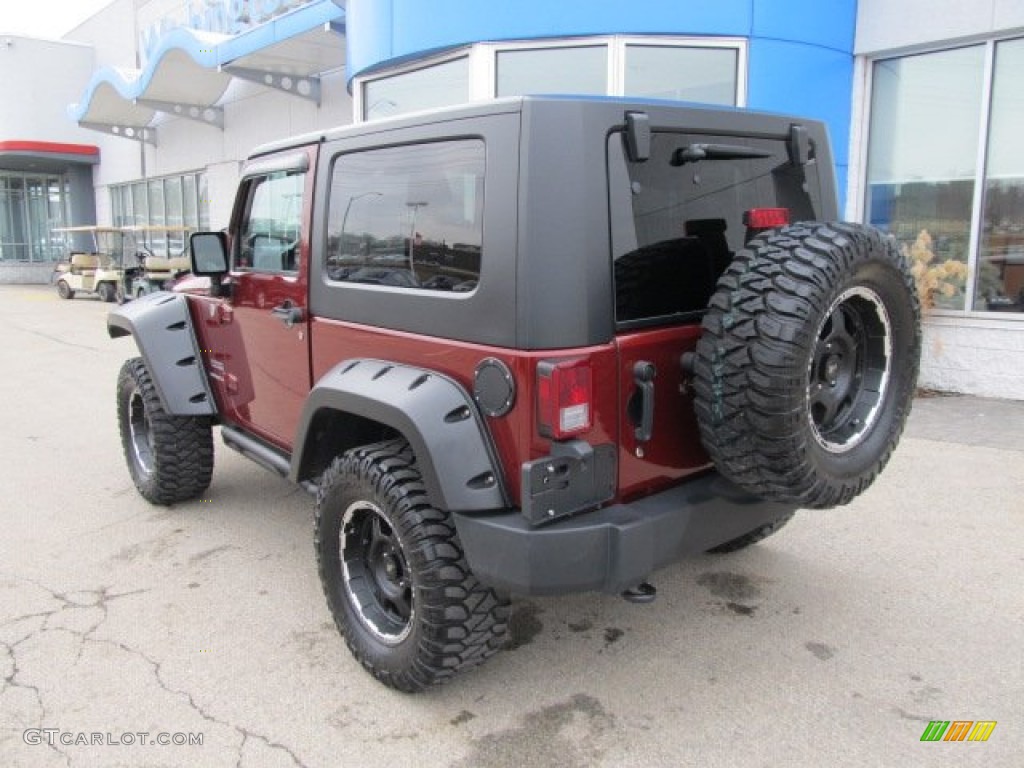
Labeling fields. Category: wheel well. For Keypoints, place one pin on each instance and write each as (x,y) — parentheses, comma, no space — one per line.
(331,433)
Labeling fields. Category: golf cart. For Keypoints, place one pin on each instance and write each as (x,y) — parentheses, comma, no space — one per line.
(99,270)
(160,258)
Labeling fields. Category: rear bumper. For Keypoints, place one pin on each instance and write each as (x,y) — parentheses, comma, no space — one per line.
(614,548)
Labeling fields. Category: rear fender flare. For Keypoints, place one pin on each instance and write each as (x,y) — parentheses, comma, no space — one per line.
(434,413)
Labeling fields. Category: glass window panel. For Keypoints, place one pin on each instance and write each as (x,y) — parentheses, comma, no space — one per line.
(126,204)
(925,120)
(157,217)
(705,75)
(552,70)
(116,206)
(18,237)
(174,215)
(55,218)
(38,227)
(190,202)
(172,201)
(999,284)
(270,236)
(7,244)
(408,217)
(440,85)
(204,203)
(140,203)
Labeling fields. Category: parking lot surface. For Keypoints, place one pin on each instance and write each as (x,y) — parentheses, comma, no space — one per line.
(833,643)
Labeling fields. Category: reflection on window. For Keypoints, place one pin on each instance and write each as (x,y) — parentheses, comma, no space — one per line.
(582,70)
(269,241)
(408,217)
(440,85)
(999,285)
(687,218)
(925,123)
(706,75)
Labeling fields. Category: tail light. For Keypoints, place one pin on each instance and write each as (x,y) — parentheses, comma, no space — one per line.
(565,396)
(759,219)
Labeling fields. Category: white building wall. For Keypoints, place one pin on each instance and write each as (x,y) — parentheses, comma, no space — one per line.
(61,70)
(975,355)
(979,353)
(111,34)
(893,25)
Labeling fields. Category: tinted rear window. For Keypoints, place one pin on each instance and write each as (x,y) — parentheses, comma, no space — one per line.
(677,218)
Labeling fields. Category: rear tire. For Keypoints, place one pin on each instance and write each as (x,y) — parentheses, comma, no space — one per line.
(170,458)
(804,375)
(106,292)
(64,290)
(394,574)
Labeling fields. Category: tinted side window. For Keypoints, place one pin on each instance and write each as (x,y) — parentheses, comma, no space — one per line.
(408,216)
(685,217)
(270,231)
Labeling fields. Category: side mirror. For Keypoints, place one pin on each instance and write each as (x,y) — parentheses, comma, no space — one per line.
(209,254)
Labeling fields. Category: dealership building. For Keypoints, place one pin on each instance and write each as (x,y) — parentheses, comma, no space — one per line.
(145,113)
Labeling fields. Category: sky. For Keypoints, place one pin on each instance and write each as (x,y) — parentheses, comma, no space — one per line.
(45,18)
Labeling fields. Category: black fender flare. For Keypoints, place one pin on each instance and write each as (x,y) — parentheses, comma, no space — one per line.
(162,327)
(433,412)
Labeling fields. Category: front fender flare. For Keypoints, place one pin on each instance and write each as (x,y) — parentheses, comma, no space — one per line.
(162,327)
(434,413)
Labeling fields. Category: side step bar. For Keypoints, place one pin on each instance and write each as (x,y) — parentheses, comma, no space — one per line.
(263,454)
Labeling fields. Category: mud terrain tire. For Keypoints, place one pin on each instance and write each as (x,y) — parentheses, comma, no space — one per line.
(170,458)
(394,573)
(804,374)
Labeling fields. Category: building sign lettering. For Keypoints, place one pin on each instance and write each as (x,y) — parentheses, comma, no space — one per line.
(225,17)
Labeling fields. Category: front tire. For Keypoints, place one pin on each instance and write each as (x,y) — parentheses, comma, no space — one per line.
(106,292)
(170,458)
(804,374)
(64,290)
(394,573)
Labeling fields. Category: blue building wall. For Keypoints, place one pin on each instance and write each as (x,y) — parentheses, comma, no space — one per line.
(800,51)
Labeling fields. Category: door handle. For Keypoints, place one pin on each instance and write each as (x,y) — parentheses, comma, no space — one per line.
(641,405)
(288,313)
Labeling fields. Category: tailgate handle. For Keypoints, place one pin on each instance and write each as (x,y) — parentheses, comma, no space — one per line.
(641,404)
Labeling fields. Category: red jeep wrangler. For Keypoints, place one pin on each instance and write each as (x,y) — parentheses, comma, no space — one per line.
(535,346)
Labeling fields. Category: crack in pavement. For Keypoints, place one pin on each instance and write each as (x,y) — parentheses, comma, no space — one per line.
(50,337)
(102,597)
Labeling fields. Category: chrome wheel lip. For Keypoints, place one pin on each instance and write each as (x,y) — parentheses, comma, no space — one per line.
(140,432)
(365,604)
(881,315)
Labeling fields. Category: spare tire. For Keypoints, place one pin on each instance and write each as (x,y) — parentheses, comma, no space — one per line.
(805,371)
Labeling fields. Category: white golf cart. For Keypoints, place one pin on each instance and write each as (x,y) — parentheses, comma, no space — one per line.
(98,270)
(160,258)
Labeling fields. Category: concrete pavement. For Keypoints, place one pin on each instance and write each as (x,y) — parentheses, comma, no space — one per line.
(833,643)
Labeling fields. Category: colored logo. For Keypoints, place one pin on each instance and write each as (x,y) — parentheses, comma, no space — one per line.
(958,730)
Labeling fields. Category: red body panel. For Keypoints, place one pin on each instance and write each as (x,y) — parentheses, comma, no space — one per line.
(258,364)
(673,452)
(515,434)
